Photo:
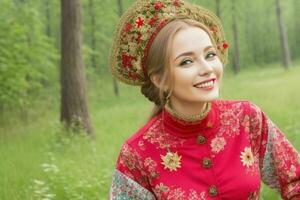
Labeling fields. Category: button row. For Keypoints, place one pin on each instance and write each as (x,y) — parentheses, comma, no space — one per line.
(201,139)
(207,163)
(213,191)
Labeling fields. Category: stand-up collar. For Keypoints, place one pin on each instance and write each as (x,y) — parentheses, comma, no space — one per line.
(185,129)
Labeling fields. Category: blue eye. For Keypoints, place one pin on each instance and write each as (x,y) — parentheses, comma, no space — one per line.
(211,55)
(186,62)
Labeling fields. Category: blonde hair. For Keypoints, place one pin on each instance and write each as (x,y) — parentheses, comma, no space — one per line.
(158,63)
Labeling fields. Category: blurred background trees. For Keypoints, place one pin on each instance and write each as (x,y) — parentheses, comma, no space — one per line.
(258,32)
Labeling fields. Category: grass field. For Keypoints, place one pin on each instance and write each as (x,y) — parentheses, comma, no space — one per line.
(40,161)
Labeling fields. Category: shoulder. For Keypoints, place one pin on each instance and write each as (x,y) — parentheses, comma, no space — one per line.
(243,104)
(223,104)
(135,139)
(135,149)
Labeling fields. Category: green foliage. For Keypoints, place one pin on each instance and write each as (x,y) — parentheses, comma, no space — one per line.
(24,65)
(258,33)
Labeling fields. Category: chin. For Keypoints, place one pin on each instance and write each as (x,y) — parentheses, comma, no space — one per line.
(209,97)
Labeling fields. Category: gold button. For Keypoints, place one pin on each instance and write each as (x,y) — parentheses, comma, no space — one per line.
(201,139)
(206,163)
(213,191)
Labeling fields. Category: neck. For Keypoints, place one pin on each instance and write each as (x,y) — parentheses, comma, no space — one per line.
(187,108)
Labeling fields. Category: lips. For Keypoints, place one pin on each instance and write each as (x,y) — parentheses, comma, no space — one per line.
(205,84)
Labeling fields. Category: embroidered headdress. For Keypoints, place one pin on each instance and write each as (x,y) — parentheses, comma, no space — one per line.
(140,24)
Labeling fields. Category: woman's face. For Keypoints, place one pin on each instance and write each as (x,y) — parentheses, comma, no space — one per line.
(197,69)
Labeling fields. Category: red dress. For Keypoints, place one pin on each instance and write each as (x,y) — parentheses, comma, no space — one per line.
(224,156)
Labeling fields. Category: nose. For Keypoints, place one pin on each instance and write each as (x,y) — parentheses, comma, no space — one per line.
(204,68)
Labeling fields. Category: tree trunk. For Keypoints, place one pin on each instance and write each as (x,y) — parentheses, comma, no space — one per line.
(120,7)
(283,36)
(48,18)
(236,51)
(74,109)
(93,32)
(218,8)
(296,15)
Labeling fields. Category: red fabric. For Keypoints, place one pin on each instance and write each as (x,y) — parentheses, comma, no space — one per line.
(244,146)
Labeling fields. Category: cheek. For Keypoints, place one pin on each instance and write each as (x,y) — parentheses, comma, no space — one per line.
(218,68)
(220,73)
(182,77)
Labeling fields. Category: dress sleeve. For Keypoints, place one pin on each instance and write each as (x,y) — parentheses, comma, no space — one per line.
(129,179)
(279,161)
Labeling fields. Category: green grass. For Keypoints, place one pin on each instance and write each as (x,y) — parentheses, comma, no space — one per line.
(39,160)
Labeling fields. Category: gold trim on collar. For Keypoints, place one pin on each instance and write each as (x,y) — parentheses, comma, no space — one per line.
(189,118)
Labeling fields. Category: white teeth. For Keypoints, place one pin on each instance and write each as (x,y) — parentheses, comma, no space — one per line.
(207,84)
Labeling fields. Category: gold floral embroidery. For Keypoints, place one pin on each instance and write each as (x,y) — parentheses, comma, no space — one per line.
(141,145)
(155,135)
(150,166)
(231,121)
(130,158)
(177,193)
(217,144)
(161,187)
(193,195)
(247,157)
(171,161)
(160,190)
(246,124)
(292,171)
(256,129)
(150,163)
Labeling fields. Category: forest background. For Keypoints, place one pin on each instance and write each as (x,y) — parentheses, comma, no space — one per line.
(40,159)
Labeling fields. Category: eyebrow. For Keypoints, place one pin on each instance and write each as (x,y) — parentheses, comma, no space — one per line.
(188,53)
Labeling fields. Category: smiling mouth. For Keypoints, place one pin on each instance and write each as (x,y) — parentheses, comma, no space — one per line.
(207,84)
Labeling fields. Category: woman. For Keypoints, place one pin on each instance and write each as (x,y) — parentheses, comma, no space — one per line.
(194,146)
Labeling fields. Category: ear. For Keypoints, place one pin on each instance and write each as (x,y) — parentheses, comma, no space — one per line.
(155,79)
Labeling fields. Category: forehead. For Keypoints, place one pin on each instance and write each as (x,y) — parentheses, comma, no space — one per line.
(190,39)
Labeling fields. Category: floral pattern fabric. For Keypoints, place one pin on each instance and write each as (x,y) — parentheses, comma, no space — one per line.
(124,188)
(242,147)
